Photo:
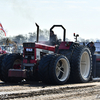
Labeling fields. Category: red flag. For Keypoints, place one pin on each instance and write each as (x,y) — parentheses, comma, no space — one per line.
(1,28)
(1,25)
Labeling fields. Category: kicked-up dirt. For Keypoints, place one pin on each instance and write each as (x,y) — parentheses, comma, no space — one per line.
(41,91)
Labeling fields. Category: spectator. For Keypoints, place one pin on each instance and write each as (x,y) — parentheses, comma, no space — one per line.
(91,47)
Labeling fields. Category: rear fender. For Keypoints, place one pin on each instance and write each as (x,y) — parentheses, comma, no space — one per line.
(65,45)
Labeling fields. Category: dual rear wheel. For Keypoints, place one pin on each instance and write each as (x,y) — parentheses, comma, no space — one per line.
(57,69)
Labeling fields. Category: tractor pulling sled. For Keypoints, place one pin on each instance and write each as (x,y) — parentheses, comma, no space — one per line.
(59,64)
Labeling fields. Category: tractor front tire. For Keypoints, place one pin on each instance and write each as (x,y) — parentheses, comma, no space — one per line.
(8,63)
(1,59)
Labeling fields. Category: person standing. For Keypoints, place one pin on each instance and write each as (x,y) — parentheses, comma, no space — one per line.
(91,47)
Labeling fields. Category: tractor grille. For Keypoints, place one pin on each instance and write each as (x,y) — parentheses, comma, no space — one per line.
(28,44)
(29,52)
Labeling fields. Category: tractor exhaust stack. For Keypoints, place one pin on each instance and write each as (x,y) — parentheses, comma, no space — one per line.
(37,38)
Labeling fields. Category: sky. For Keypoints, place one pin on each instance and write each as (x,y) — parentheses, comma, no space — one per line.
(77,16)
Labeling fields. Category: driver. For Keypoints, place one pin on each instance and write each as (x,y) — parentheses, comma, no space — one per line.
(53,38)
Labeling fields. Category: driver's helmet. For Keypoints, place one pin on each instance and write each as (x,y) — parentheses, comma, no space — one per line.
(51,32)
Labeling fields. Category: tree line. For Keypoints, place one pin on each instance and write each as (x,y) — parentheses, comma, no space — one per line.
(31,37)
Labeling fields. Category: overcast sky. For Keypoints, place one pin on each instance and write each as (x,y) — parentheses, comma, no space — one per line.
(79,16)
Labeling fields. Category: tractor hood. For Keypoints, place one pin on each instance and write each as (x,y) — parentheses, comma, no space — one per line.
(38,45)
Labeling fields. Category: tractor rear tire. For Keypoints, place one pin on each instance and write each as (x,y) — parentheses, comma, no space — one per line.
(55,69)
(8,63)
(81,64)
(67,53)
(59,69)
(43,68)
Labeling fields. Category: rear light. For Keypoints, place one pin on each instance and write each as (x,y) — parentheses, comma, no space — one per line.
(73,34)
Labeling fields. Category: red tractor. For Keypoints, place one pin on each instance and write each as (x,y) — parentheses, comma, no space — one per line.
(57,64)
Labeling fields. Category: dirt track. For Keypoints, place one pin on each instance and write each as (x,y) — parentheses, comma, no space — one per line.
(40,91)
